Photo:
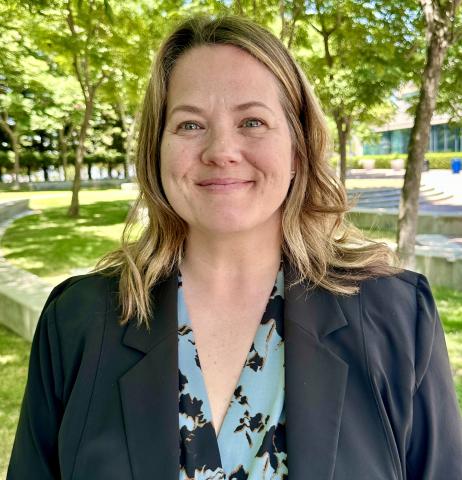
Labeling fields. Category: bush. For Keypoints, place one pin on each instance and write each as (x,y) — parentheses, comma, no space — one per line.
(440,160)
(35,159)
(6,158)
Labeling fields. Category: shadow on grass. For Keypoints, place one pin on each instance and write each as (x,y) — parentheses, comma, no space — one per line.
(14,358)
(51,242)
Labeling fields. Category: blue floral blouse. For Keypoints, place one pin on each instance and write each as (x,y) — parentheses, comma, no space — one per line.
(251,443)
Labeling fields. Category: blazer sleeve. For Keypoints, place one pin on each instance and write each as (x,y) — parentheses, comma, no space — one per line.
(435,446)
(35,448)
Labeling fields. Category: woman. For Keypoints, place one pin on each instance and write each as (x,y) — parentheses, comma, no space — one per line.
(249,332)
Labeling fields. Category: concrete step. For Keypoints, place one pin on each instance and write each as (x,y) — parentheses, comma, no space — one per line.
(386,197)
(380,192)
(437,196)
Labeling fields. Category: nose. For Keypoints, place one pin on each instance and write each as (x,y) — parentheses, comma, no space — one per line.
(221,148)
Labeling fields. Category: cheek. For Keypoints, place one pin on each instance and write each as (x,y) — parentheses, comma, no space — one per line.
(168,163)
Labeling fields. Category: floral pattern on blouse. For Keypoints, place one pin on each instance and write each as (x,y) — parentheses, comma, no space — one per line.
(251,443)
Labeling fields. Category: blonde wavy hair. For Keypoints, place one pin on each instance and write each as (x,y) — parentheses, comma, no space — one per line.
(320,244)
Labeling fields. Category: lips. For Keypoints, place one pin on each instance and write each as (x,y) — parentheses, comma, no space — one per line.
(222,181)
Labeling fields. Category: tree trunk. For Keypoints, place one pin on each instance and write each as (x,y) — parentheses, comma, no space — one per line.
(14,140)
(45,173)
(89,171)
(129,130)
(75,207)
(130,140)
(343,131)
(62,141)
(418,143)
(29,173)
(238,7)
(283,32)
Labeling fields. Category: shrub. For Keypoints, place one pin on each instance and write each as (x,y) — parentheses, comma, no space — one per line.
(441,160)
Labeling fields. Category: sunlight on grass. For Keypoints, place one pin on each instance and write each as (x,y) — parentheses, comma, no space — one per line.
(381,235)
(46,199)
(51,244)
(454,343)
(449,304)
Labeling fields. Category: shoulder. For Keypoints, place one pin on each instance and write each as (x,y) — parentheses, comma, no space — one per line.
(399,316)
(403,279)
(402,291)
(77,310)
(83,292)
(71,329)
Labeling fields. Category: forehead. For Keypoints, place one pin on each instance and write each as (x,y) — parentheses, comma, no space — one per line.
(221,72)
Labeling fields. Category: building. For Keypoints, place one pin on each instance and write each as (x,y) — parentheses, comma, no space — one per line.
(394,136)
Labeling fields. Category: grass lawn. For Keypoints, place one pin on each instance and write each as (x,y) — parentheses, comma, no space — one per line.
(14,357)
(449,303)
(53,246)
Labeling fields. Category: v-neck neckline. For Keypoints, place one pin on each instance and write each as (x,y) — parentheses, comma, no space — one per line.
(200,374)
(240,382)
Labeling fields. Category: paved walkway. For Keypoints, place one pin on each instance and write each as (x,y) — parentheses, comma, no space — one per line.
(445,181)
(441,190)
(441,194)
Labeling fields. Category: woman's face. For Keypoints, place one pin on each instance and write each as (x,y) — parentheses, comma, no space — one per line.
(226,151)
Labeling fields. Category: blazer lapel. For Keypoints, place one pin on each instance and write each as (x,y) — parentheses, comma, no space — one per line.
(315,385)
(149,390)
(315,381)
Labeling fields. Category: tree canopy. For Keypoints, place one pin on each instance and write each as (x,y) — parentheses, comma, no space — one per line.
(73,72)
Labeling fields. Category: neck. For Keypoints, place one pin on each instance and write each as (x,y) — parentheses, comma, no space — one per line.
(233,260)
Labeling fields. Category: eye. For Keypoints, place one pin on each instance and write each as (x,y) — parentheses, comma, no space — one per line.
(189,126)
(252,122)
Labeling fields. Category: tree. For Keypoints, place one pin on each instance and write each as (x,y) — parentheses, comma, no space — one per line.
(353,61)
(76,34)
(441,30)
(24,80)
(89,61)
(64,115)
(449,99)
(138,33)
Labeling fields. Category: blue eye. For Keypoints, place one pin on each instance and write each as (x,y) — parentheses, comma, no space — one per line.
(189,126)
(253,122)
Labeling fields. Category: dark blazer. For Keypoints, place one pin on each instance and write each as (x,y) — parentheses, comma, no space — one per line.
(369,391)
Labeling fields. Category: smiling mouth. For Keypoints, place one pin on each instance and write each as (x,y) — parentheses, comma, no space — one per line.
(224,184)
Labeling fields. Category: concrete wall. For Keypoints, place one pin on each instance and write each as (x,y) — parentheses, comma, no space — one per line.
(63,185)
(386,219)
(441,270)
(12,208)
(22,296)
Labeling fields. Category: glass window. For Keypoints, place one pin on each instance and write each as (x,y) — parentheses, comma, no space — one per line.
(439,138)
(405,143)
(451,139)
(395,141)
(385,142)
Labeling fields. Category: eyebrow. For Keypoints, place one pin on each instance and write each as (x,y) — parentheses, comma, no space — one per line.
(238,108)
